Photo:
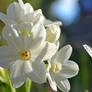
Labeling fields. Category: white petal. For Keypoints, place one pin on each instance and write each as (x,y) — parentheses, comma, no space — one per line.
(49,22)
(38,16)
(13,38)
(27,67)
(38,73)
(26,26)
(21,12)
(16,83)
(63,85)
(64,54)
(52,49)
(6,20)
(28,8)
(58,75)
(24,30)
(34,16)
(51,82)
(49,49)
(69,69)
(21,3)
(88,49)
(15,12)
(17,74)
(38,12)
(7,56)
(38,35)
(12,10)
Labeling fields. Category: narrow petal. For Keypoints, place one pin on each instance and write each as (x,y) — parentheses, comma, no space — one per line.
(64,54)
(6,20)
(13,38)
(51,82)
(17,74)
(69,69)
(88,49)
(63,85)
(38,35)
(7,55)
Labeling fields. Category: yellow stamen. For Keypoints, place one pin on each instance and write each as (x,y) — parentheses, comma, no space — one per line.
(22,32)
(25,54)
(29,33)
(55,67)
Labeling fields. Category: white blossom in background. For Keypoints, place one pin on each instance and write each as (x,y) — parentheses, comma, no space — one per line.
(88,49)
(53,30)
(25,51)
(60,68)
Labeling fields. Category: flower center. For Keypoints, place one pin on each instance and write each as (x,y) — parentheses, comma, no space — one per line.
(25,54)
(55,67)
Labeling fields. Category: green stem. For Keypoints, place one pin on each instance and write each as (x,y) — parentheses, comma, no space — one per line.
(26,87)
(84,69)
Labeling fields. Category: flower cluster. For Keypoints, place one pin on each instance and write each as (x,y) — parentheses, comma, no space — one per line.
(31,40)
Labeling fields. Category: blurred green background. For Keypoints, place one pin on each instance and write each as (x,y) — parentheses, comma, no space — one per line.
(76,30)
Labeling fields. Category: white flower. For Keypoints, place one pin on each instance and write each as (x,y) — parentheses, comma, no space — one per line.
(88,49)
(26,27)
(20,13)
(53,30)
(24,53)
(60,68)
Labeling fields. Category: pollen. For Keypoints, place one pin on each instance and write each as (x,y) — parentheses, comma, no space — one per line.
(25,54)
(55,67)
